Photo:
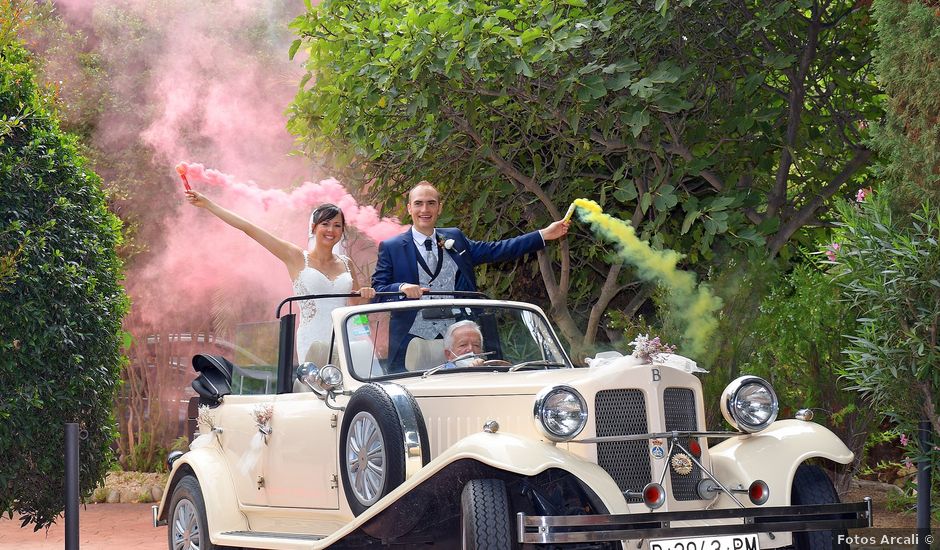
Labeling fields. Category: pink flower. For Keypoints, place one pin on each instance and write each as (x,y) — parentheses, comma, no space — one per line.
(832,251)
(904,440)
(862,194)
(908,463)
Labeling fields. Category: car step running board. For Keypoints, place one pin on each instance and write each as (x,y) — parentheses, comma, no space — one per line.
(608,527)
(263,534)
(263,539)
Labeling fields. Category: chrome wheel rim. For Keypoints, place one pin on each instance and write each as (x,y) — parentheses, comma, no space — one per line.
(365,458)
(186,532)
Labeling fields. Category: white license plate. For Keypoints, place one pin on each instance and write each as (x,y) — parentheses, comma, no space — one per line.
(729,542)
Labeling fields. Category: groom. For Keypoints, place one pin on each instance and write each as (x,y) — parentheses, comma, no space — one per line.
(418,261)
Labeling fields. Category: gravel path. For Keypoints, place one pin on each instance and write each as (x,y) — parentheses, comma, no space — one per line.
(101,527)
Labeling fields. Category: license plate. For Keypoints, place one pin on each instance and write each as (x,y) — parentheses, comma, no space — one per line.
(729,542)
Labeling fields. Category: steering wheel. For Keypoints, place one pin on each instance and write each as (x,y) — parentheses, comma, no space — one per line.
(495,363)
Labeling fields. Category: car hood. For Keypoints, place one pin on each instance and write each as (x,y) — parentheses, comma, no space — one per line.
(615,373)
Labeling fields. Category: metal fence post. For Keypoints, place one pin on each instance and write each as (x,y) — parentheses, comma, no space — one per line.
(923,486)
(71,486)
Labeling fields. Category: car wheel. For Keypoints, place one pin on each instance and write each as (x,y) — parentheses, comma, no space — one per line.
(187,518)
(811,485)
(372,449)
(484,516)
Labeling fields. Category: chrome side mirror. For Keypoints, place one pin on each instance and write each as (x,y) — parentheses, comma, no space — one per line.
(329,378)
(307,375)
(321,380)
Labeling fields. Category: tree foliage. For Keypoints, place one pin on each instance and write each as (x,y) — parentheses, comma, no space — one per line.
(889,271)
(907,58)
(61,303)
(799,337)
(702,125)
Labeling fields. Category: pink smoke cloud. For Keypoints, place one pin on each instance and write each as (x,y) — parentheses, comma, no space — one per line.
(210,81)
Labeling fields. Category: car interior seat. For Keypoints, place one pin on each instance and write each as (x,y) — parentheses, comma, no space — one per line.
(424,354)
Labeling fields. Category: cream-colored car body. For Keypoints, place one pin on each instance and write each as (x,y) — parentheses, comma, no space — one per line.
(290,482)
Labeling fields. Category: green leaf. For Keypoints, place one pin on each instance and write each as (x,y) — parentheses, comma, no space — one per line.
(592,88)
(719,203)
(530,34)
(665,201)
(637,121)
(626,192)
(671,103)
(506,14)
(689,219)
(294,46)
(619,82)
(521,67)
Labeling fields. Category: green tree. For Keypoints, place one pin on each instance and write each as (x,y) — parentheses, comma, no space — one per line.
(907,58)
(705,128)
(61,304)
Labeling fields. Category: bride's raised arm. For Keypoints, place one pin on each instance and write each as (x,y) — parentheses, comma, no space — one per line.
(287,252)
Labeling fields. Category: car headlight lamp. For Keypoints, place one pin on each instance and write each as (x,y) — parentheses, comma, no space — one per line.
(749,404)
(560,412)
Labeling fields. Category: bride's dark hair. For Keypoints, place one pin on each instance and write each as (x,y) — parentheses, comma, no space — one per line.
(326,212)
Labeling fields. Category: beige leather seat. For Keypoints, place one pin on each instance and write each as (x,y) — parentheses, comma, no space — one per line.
(424,354)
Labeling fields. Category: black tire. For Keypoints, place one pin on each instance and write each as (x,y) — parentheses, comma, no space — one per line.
(186,520)
(811,485)
(371,410)
(485,522)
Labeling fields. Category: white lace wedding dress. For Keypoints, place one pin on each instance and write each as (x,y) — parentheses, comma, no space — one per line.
(316,324)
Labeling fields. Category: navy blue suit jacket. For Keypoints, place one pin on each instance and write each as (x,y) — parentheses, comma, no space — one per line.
(398,263)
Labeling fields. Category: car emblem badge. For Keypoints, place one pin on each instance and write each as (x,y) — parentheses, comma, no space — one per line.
(657,449)
(681,464)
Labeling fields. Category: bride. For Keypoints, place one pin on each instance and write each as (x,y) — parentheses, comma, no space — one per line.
(315,271)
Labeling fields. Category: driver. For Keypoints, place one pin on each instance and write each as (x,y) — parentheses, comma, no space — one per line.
(461,338)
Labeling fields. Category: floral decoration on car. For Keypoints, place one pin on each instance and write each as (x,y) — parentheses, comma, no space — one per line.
(206,419)
(650,349)
(263,414)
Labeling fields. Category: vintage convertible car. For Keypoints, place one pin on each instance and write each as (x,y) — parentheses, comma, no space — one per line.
(523,449)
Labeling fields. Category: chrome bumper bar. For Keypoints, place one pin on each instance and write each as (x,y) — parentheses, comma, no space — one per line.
(608,527)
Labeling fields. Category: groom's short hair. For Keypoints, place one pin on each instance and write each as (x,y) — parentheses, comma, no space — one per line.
(424,183)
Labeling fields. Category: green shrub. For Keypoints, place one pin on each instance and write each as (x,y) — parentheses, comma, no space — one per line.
(889,270)
(61,304)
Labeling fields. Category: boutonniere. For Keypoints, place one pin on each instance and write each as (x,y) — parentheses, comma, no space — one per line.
(448,244)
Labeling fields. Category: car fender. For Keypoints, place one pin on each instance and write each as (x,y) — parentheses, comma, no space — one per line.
(773,456)
(528,457)
(211,470)
(502,451)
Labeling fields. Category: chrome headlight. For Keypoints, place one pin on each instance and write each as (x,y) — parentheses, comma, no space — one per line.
(560,412)
(749,404)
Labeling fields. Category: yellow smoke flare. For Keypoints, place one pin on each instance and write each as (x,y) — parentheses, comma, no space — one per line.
(693,305)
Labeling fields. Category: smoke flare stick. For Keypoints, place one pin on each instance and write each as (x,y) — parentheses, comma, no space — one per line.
(181,170)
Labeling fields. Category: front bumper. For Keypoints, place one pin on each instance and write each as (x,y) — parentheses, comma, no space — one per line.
(608,527)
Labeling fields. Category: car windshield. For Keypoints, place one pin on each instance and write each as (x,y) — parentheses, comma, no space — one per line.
(413,341)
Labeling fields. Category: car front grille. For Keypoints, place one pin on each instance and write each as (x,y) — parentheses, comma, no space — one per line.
(623,412)
(679,410)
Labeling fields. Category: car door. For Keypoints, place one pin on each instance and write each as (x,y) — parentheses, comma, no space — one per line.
(300,465)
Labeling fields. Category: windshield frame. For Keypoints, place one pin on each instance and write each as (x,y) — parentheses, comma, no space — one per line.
(352,311)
